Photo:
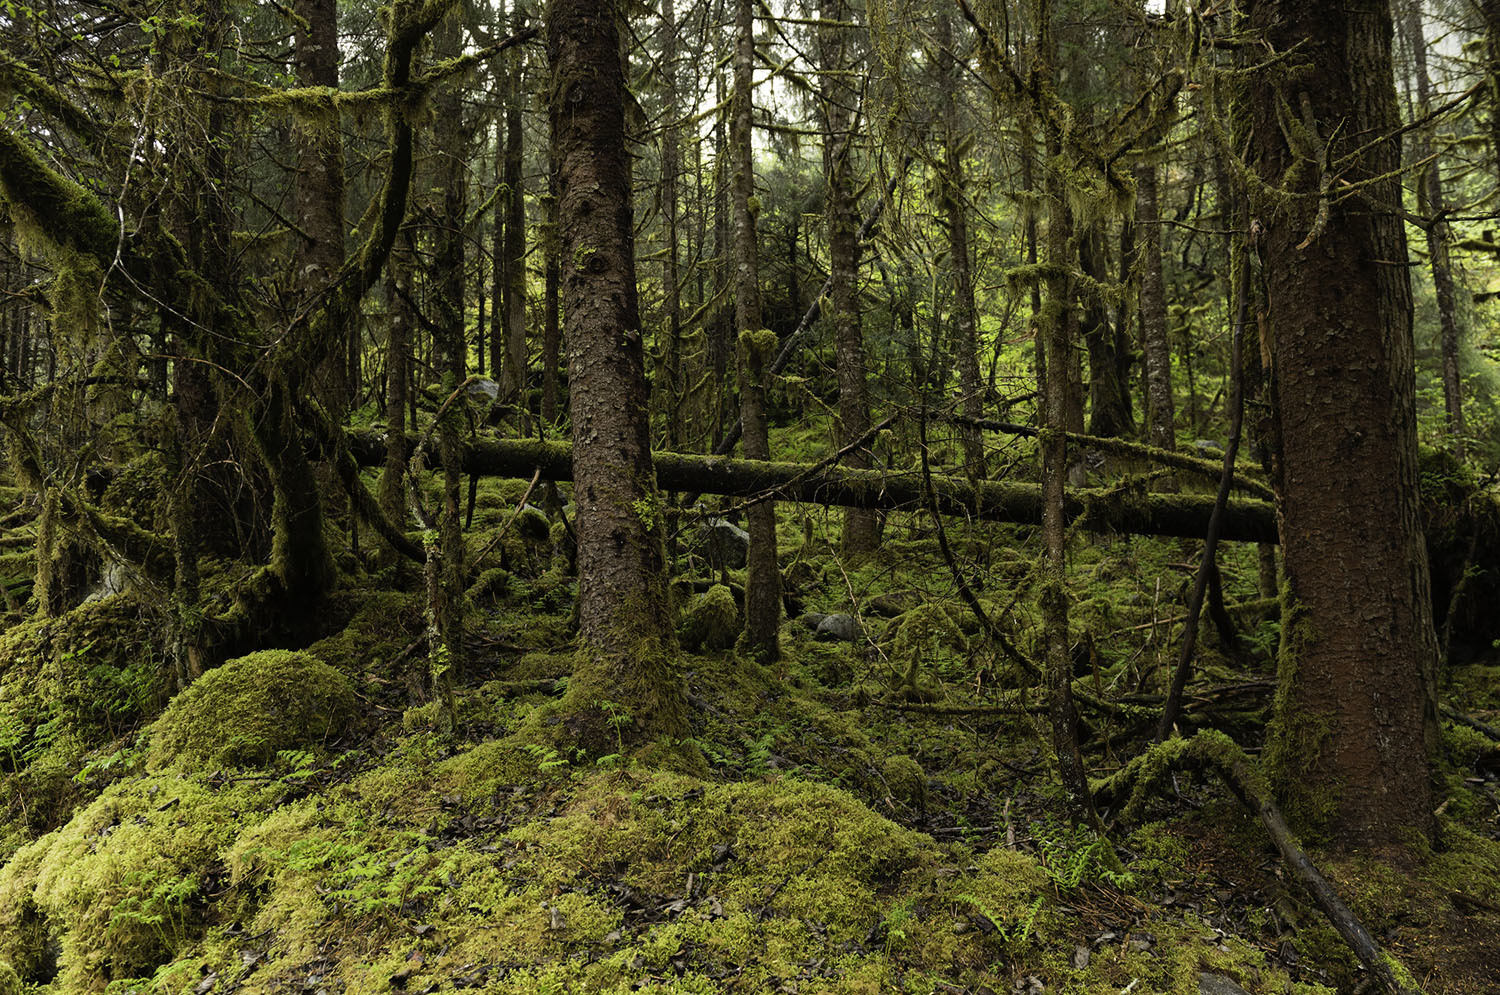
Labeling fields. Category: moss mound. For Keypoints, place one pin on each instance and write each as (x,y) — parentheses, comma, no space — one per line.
(252,707)
(712,621)
(10,984)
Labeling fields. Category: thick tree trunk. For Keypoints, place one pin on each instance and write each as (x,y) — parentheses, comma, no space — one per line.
(1350,742)
(552,300)
(498,274)
(861,527)
(757,347)
(624,683)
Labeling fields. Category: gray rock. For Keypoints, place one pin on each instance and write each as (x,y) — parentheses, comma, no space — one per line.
(725,543)
(1218,984)
(1208,447)
(841,628)
(811,620)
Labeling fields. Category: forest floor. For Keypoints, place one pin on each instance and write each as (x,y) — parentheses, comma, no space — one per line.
(849,820)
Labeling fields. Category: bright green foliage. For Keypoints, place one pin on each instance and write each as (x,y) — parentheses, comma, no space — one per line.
(250,708)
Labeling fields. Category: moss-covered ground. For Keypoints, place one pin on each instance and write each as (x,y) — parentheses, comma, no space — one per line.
(864,817)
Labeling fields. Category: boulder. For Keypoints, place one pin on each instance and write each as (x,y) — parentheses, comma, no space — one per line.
(725,544)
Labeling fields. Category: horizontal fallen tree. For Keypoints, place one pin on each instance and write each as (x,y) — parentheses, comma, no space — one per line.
(1127,510)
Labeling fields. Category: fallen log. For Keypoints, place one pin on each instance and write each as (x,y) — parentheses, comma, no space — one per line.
(1122,511)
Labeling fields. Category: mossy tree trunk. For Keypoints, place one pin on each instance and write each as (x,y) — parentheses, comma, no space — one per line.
(1431,203)
(1157,353)
(320,188)
(450,347)
(757,347)
(624,683)
(397,381)
(838,102)
(1054,326)
(1355,712)
(955,215)
(1110,412)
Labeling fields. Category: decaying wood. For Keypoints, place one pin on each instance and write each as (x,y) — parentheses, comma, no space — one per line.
(1179,515)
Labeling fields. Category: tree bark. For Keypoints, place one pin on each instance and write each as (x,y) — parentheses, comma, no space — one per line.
(450,347)
(1055,325)
(624,686)
(1432,204)
(514,200)
(1350,741)
(757,346)
(838,98)
(320,187)
(671,277)
(951,192)
(1157,353)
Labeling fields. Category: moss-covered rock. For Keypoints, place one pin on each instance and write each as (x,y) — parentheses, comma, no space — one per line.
(117,890)
(252,707)
(712,621)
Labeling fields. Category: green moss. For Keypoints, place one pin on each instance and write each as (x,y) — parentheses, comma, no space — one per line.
(10,983)
(118,887)
(907,781)
(712,621)
(759,345)
(250,708)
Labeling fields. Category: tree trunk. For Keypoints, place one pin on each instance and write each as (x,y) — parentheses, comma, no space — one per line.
(1350,740)
(450,345)
(514,199)
(624,684)
(1432,204)
(397,382)
(1156,351)
(1054,325)
(965,313)
(861,527)
(671,167)
(1110,412)
(1173,515)
(757,347)
(320,187)
(551,303)
(499,368)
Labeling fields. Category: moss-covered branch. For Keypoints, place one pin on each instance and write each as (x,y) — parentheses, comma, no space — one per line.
(1183,515)
(1211,750)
